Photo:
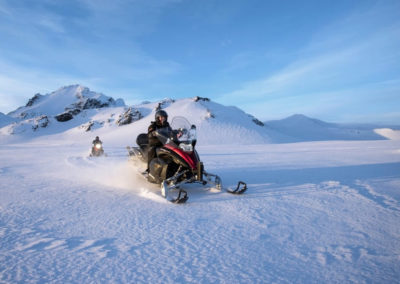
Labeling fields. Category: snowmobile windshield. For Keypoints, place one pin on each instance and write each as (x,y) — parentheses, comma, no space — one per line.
(186,132)
(183,134)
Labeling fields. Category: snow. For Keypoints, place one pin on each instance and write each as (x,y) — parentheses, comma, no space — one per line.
(55,102)
(299,128)
(314,212)
(39,117)
(389,133)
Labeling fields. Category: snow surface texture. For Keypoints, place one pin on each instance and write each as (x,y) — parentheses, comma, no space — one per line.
(320,212)
(314,212)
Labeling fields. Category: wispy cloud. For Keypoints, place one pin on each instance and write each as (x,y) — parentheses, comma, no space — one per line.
(19,83)
(294,77)
(49,44)
(163,47)
(364,103)
(341,61)
(51,23)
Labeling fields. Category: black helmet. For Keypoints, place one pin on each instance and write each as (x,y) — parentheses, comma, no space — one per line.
(161,113)
(97,137)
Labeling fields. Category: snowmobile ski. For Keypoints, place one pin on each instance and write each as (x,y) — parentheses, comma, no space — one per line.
(240,188)
(166,192)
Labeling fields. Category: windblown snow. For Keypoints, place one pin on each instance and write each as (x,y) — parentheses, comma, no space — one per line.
(314,212)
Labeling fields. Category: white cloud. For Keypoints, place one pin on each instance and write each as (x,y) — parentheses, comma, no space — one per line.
(296,75)
(19,84)
(87,42)
(52,24)
(368,103)
(342,61)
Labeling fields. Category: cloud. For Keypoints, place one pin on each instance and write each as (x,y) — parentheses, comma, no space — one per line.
(351,63)
(367,103)
(10,93)
(132,18)
(296,75)
(52,24)
(20,83)
(341,61)
(48,44)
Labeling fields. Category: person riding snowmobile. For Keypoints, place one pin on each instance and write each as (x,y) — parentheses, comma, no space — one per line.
(175,161)
(97,141)
(161,118)
(97,148)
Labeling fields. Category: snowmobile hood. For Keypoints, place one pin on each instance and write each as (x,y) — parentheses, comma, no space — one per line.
(185,156)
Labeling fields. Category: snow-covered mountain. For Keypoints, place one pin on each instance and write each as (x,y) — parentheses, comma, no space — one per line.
(299,127)
(61,110)
(75,110)
(66,101)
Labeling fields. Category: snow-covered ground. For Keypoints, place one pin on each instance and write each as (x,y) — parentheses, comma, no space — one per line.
(315,212)
(323,211)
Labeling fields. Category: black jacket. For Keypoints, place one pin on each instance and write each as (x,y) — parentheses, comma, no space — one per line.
(95,141)
(153,141)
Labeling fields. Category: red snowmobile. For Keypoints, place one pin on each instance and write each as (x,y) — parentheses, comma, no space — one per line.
(177,162)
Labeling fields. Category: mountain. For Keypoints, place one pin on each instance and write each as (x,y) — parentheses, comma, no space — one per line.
(74,104)
(76,111)
(216,123)
(388,133)
(65,103)
(298,127)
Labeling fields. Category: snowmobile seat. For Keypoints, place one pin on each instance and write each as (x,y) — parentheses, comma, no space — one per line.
(142,140)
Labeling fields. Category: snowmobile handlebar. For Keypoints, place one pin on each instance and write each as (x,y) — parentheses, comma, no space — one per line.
(181,135)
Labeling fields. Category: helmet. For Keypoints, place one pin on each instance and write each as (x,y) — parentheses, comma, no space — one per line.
(161,113)
(97,137)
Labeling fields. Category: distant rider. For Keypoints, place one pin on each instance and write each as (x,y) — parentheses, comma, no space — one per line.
(97,141)
(161,117)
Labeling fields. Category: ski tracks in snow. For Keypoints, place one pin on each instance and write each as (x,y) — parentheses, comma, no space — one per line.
(80,220)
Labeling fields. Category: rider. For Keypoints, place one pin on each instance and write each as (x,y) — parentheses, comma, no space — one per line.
(97,140)
(96,150)
(161,117)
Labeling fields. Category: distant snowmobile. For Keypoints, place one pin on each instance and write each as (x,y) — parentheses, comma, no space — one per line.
(177,162)
(97,150)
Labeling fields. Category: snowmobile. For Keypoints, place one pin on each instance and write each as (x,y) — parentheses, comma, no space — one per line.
(97,150)
(177,162)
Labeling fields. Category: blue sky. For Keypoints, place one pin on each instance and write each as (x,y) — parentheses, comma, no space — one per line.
(337,61)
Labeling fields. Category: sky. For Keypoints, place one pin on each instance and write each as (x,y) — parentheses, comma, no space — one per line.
(338,61)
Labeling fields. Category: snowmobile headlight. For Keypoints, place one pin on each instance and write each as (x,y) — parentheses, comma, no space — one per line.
(186,147)
(98,146)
